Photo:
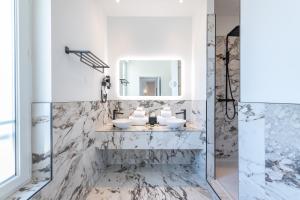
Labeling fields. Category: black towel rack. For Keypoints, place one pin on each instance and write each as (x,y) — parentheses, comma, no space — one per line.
(89,59)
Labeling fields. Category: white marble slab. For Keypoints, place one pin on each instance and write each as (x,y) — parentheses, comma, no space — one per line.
(210,95)
(76,163)
(150,157)
(190,127)
(170,182)
(269,151)
(198,115)
(251,151)
(150,140)
(282,148)
(41,141)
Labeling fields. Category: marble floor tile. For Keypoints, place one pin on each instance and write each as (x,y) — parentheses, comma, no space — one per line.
(150,182)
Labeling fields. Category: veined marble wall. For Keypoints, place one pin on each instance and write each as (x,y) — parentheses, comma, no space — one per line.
(152,157)
(41,141)
(210,90)
(226,132)
(78,162)
(269,151)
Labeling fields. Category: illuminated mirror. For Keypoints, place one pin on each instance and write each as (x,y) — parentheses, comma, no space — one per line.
(150,77)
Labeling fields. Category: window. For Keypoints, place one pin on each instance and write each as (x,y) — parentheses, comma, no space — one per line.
(7,92)
(15,95)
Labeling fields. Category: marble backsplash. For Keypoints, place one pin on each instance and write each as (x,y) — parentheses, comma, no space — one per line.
(227,130)
(269,151)
(196,110)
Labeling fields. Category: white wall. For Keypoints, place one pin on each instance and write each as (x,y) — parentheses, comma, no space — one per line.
(197,74)
(150,37)
(41,50)
(269,51)
(79,24)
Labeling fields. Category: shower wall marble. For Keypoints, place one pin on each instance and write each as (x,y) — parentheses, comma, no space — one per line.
(227,130)
(78,163)
(269,151)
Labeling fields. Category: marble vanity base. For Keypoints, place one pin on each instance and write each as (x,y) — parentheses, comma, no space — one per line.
(142,157)
(154,157)
(150,182)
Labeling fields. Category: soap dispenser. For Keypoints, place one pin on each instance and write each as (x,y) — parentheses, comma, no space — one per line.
(152,119)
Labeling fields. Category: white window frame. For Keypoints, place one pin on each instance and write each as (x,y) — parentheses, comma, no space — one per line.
(23,71)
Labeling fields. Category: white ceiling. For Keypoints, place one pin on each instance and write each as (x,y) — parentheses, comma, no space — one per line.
(151,7)
(227,7)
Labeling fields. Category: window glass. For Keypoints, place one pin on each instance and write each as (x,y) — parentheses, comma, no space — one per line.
(7,92)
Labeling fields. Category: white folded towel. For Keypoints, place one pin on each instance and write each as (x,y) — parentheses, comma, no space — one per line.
(167,108)
(140,108)
(138,113)
(138,121)
(166,113)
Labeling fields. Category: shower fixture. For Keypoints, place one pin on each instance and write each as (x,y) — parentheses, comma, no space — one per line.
(234,33)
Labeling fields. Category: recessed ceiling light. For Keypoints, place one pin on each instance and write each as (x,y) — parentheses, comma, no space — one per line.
(180,1)
(118,1)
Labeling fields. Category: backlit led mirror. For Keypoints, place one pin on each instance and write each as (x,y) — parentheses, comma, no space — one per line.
(150,77)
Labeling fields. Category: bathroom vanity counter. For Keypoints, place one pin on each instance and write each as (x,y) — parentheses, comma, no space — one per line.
(147,128)
(147,137)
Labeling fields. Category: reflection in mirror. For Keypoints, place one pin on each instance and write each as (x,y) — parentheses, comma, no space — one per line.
(150,78)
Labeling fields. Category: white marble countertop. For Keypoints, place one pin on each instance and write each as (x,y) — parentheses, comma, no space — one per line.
(147,128)
(149,137)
